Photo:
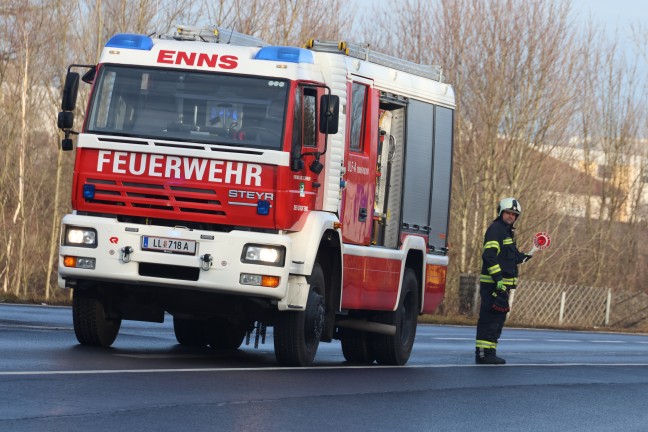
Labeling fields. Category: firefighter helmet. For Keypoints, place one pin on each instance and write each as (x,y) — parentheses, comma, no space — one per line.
(509,204)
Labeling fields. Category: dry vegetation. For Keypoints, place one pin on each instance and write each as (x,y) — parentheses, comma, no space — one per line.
(528,79)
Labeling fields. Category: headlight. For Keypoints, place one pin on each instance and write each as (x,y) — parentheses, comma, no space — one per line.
(76,236)
(263,254)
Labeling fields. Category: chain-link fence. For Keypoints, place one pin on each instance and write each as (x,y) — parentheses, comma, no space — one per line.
(536,303)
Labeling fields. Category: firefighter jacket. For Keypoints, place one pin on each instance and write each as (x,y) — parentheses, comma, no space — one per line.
(500,256)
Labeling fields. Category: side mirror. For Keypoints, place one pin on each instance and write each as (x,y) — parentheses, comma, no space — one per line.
(70,91)
(65,120)
(329,114)
(66,144)
(89,76)
(316,166)
(296,164)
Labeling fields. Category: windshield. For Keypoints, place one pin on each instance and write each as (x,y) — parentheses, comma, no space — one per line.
(189,106)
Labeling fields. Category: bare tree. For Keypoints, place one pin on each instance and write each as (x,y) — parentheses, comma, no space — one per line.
(63,14)
(510,63)
(528,83)
(609,121)
(284,22)
(26,41)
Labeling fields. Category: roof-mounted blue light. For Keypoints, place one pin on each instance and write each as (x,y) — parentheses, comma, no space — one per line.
(130,41)
(285,54)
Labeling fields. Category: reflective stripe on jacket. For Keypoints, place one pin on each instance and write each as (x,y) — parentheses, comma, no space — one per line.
(500,256)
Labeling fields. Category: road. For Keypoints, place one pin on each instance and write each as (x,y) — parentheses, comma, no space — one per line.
(554,381)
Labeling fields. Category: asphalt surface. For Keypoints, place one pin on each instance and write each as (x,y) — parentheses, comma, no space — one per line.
(554,381)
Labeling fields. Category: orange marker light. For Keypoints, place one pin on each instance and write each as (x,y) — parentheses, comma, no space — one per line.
(69,261)
(270,281)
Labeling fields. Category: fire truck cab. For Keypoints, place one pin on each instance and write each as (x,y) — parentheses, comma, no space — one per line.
(239,186)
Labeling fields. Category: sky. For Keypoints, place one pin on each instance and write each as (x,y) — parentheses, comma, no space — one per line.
(617,16)
(612,13)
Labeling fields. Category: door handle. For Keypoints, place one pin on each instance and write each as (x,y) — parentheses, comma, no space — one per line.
(362,215)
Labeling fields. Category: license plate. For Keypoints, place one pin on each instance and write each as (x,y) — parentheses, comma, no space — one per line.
(169,245)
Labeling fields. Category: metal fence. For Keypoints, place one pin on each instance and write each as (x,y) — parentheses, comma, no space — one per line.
(537,303)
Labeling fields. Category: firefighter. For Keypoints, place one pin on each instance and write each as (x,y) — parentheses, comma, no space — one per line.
(499,273)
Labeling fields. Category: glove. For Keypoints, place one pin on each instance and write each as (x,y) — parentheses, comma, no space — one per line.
(526,258)
(500,285)
(500,304)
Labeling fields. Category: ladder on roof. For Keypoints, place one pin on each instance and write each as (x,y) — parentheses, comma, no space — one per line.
(362,52)
(213,34)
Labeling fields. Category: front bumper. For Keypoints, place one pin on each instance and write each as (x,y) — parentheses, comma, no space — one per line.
(175,270)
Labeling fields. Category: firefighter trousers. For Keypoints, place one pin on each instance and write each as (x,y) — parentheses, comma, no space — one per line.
(491,322)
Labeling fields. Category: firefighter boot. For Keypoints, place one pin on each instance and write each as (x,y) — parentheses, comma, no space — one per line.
(488,356)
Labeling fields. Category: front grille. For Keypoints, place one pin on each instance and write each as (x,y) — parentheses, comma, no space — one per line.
(169,271)
(165,198)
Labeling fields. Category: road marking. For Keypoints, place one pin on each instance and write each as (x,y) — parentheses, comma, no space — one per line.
(319,368)
(608,341)
(167,356)
(32,327)
(563,340)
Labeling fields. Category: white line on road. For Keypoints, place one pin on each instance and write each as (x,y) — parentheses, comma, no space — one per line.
(33,327)
(320,368)
(608,341)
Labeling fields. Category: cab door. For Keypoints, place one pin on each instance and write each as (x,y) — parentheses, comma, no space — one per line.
(360,157)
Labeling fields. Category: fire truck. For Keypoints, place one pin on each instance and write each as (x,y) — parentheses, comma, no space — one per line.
(239,186)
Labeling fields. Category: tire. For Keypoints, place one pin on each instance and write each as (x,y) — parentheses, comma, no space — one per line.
(189,332)
(297,334)
(396,350)
(91,323)
(356,346)
(221,333)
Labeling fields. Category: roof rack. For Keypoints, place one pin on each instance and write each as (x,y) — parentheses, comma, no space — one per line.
(213,34)
(362,51)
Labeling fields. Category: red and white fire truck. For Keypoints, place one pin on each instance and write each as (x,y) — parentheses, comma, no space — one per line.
(238,186)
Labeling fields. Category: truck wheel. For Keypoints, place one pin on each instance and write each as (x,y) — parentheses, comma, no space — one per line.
(189,332)
(91,323)
(396,350)
(225,334)
(297,334)
(356,347)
